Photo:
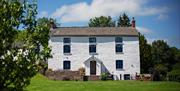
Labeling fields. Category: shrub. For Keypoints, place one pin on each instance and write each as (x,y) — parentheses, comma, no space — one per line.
(104,76)
(82,71)
(174,75)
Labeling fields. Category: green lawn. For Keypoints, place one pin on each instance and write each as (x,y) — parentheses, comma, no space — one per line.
(41,83)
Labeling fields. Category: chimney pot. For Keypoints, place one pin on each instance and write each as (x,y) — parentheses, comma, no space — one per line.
(133,23)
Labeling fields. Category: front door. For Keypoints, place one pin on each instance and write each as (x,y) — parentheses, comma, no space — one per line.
(92,67)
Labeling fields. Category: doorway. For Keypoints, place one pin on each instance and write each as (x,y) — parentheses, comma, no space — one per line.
(92,67)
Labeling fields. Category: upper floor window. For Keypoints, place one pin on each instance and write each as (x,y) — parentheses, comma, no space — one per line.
(67,40)
(66,65)
(92,40)
(119,48)
(119,44)
(118,40)
(119,64)
(92,48)
(67,46)
(66,49)
(92,45)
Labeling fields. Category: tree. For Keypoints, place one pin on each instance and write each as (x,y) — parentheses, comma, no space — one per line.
(145,55)
(20,63)
(160,51)
(174,74)
(47,22)
(101,21)
(43,38)
(174,57)
(160,57)
(124,21)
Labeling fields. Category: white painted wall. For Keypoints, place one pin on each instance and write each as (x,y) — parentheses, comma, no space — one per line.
(105,49)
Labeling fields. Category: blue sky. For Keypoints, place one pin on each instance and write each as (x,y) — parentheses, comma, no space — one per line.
(156,19)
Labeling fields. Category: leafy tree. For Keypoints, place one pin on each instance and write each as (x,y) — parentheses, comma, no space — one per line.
(124,21)
(101,21)
(174,74)
(145,55)
(50,22)
(160,57)
(174,57)
(160,51)
(20,62)
(44,37)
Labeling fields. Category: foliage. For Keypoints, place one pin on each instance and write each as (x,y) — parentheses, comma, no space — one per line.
(145,55)
(101,21)
(20,62)
(160,51)
(157,59)
(160,58)
(82,71)
(124,21)
(174,74)
(47,22)
(104,76)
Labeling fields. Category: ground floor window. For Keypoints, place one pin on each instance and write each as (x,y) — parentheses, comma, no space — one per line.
(126,76)
(119,64)
(66,65)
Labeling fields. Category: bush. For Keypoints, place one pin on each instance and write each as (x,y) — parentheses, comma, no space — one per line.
(82,71)
(104,76)
(174,75)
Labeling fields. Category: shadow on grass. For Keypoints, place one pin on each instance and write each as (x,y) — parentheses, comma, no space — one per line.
(12,89)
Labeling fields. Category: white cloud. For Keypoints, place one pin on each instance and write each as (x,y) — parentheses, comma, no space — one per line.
(144,30)
(43,14)
(162,17)
(83,11)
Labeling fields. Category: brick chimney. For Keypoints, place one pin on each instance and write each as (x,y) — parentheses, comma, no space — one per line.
(133,23)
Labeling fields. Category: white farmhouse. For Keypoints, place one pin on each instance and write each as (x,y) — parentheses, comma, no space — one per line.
(98,49)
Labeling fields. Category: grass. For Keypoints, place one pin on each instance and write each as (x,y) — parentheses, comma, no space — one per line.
(41,83)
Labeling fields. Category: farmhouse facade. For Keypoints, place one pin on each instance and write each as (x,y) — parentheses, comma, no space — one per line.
(113,50)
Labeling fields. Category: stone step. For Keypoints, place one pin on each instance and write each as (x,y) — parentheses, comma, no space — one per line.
(93,78)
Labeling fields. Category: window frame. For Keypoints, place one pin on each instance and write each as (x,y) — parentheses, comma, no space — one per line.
(66,40)
(65,63)
(119,41)
(92,38)
(117,46)
(92,46)
(119,64)
(64,49)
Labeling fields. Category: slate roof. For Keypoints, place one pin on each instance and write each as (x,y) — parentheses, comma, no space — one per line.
(94,31)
